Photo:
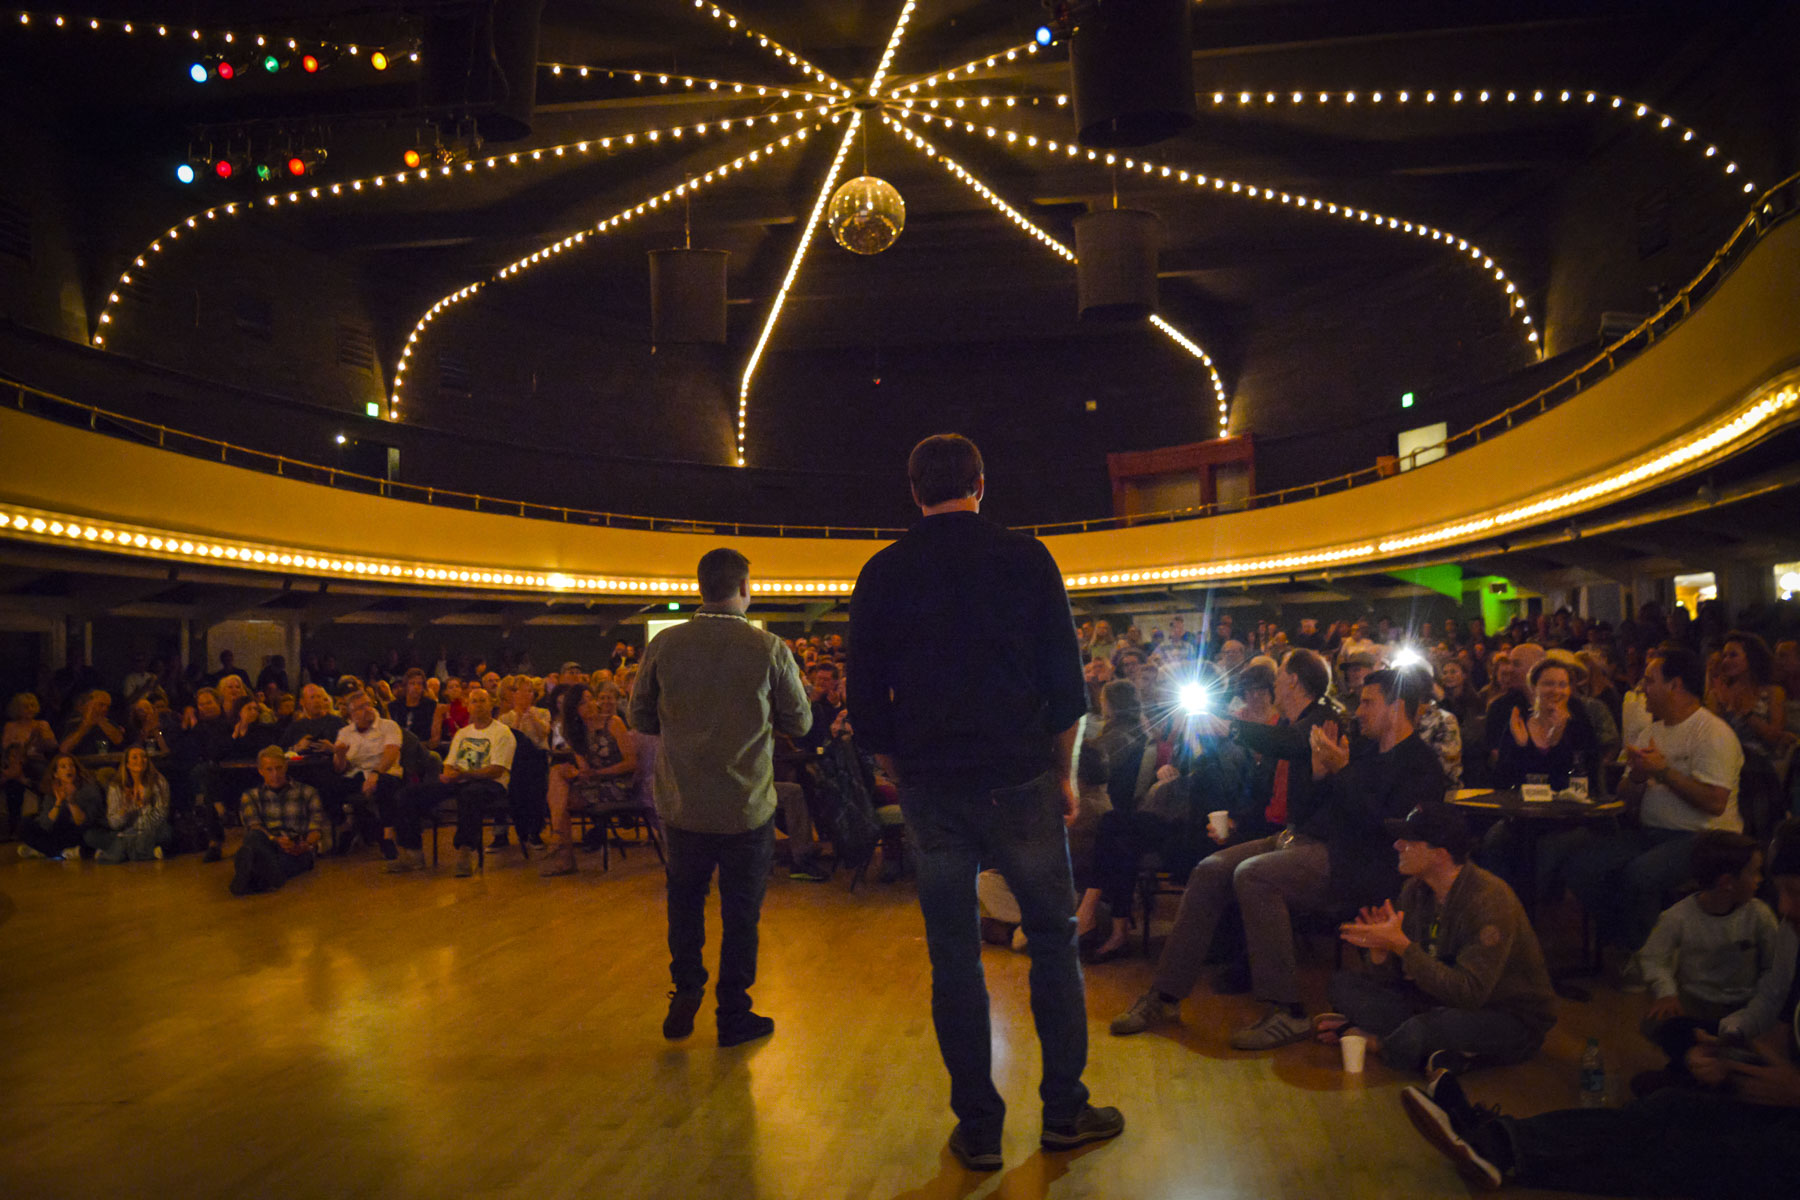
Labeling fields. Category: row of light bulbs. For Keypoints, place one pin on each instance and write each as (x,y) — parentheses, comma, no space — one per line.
(30,20)
(771,45)
(34,524)
(1017,140)
(686,188)
(893,46)
(1056,247)
(787,282)
(1604,101)
(972,67)
(665,79)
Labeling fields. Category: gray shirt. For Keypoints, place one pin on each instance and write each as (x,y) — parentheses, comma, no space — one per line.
(711,688)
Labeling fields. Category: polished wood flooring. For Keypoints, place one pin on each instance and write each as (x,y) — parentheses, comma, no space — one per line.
(357,1034)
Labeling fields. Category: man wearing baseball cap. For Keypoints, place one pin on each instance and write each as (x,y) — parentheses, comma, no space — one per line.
(1457,978)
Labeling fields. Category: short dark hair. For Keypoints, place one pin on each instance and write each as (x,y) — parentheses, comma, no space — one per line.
(1720,852)
(1408,687)
(412,674)
(722,572)
(1309,671)
(1678,662)
(944,467)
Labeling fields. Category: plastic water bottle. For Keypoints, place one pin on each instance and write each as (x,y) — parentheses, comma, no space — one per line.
(1593,1076)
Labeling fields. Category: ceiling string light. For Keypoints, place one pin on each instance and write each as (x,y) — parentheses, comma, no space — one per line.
(893,45)
(764,41)
(1463,247)
(1418,100)
(519,159)
(973,67)
(1062,251)
(693,83)
(793,271)
(682,190)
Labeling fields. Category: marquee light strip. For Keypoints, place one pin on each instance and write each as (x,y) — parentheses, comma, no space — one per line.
(736,87)
(687,187)
(423,175)
(893,47)
(144,541)
(972,67)
(1648,469)
(1014,139)
(1050,243)
(793,271)
(49,21)
(1478,96)
(771,45)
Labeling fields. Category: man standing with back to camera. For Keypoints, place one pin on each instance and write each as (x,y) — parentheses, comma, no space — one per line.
(710,688)
(966,684)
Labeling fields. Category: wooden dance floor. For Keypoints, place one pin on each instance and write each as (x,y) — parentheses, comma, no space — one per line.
(364,1035)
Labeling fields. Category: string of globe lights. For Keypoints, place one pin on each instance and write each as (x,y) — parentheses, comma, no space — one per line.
(765,42)
(1018,139)
(691,184)
(425,176)
(379,57)
(1056,247)
(736,87)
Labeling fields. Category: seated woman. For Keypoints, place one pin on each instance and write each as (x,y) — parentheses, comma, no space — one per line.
(1462,702)
(137,813)
(1557,740)
(143,727)
(598,771)
(71,804)
(26,743)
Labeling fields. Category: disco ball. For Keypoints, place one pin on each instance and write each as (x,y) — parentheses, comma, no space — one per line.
(866,215)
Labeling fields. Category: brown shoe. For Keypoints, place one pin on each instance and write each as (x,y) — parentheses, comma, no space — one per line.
(560,862)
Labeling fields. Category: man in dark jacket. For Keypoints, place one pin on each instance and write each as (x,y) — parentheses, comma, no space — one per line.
(966,684)
(1333,857)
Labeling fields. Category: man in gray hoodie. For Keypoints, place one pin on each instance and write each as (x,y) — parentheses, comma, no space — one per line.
(715,689)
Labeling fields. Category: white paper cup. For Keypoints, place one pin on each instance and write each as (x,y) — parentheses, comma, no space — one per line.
(1353,1047)
(1219,821)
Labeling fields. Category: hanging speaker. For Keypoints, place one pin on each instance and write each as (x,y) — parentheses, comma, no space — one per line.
(1131,64)
(1115,264)
(687,296)
(485,61)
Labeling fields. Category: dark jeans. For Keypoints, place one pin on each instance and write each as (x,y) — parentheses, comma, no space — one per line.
(52,840)
(742,861)
(262,866)
(1412,1025)
(406,812)
(1674,1142)
(368,813)
(15,805)
(1019,832)
(1622,878)
(1120,844)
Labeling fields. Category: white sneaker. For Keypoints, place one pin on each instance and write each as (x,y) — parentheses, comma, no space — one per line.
(27,852)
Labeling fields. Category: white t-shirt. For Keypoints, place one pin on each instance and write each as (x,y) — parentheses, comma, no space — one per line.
(363,750)
(472,749)
(1705,748)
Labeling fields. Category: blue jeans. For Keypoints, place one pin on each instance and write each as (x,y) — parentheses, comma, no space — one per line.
(1622,879)
(1412,1026)
(1019,832)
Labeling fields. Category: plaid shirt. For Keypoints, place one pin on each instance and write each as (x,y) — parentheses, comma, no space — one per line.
(294,811)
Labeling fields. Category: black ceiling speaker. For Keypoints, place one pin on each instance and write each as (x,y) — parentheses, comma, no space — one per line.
(1131,64)
(687,296)
(485,63)
(1115,264)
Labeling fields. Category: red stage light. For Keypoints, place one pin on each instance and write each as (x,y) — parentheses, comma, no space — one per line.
(222,168)
(226,70)
(296,166)
(411,158)
(310,64)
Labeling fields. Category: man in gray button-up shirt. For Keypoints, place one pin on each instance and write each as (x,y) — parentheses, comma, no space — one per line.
(715,689)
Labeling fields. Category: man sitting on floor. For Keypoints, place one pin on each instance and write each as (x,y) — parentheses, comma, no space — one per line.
(1332,857)
(1739,1137)
(477,767)
(284,824)
(1465,978)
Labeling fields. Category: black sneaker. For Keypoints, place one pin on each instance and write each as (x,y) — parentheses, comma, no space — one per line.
(973,1155)
(1446,1119)
(1091,1125)
(389,851)
(501,841)
(213,853)
(739,1028)
(682,1007)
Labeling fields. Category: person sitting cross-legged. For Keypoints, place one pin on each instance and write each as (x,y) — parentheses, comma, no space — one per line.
(1735,1136)
(137,813)
(284,823)
(476,768)
(1459,977)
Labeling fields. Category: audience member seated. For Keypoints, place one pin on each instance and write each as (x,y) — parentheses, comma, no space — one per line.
(1458,979)
(315,729)
(531,759)
(1437,727)
(144,727)
(456,709)
(1743,694)
(1705,955)
(416,712)
(1682,778)
(1735,1136)
(26,744)
(1332,857)
(476,768)
(1461,701)
(137,813)
(69,804)
(366,759)
(284,826)
(597,772)
(92,732)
